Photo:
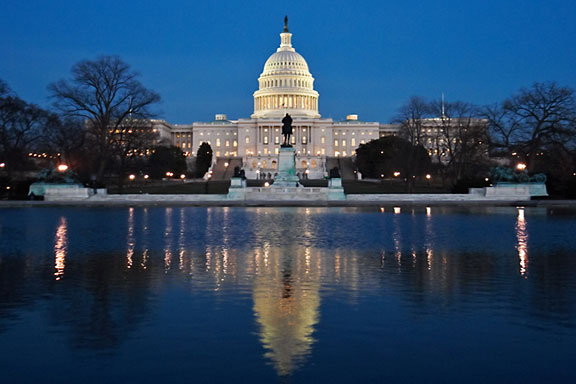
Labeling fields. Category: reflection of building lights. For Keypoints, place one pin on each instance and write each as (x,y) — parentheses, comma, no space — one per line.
(522,237)
(60,247)
(62,168)
(428,211)
(520,166)
(382,209)
(397,210)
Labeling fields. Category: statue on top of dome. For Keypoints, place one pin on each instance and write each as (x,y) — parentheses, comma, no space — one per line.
(286,24)
(286,130)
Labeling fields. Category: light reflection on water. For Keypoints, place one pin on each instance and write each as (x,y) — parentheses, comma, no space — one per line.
(305,293)
(522,235)
(61,243)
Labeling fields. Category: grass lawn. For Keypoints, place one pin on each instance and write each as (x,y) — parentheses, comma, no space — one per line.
(390,186)
(221,187)
(175,187)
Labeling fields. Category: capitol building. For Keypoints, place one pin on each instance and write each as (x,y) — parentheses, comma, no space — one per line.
(284,86)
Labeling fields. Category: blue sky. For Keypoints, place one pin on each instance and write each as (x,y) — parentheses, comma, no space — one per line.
(368,57)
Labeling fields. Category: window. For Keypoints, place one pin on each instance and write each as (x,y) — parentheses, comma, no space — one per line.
(218,142)
(304,140)
(227,143)
(293,139)
(235,143)
(304,164)
(344,142)
(266,139)
(353,142)
(314,164)
(335,143)
(276,139)
(323,140)
(247,139)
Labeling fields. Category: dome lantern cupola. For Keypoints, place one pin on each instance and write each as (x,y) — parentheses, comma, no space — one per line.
(285,85)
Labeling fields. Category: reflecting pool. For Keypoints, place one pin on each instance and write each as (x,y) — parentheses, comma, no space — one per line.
(209,295)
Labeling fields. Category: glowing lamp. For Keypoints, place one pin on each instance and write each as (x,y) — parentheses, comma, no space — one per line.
(62,168)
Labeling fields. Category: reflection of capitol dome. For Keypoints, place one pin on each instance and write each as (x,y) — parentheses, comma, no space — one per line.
(286,301)
(286,85)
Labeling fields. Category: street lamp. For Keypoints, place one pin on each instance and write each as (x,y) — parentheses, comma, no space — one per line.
(132,177)
(62,168)
(520,166)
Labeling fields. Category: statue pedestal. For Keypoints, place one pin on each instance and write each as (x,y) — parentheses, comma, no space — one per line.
(286,169)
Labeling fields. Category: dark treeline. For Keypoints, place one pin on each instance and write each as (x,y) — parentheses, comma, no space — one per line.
(99,125)
(535,127)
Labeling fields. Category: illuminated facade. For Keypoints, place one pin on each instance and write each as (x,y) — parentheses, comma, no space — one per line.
(284,86)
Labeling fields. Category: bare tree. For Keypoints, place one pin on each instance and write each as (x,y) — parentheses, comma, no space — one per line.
(4,88)
(411,118)
(536,119)
(67,137)
(106,93)
(465,137)
(22,126)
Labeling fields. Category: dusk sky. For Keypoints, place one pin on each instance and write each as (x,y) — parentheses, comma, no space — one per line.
(368,57)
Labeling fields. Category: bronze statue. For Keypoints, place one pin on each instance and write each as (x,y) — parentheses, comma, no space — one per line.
(286,130)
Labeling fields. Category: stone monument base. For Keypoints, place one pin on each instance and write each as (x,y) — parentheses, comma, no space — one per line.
(286,169)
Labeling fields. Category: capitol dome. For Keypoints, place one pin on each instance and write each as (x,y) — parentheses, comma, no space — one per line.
(285,85)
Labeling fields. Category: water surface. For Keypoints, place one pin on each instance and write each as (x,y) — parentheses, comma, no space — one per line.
(209,295)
